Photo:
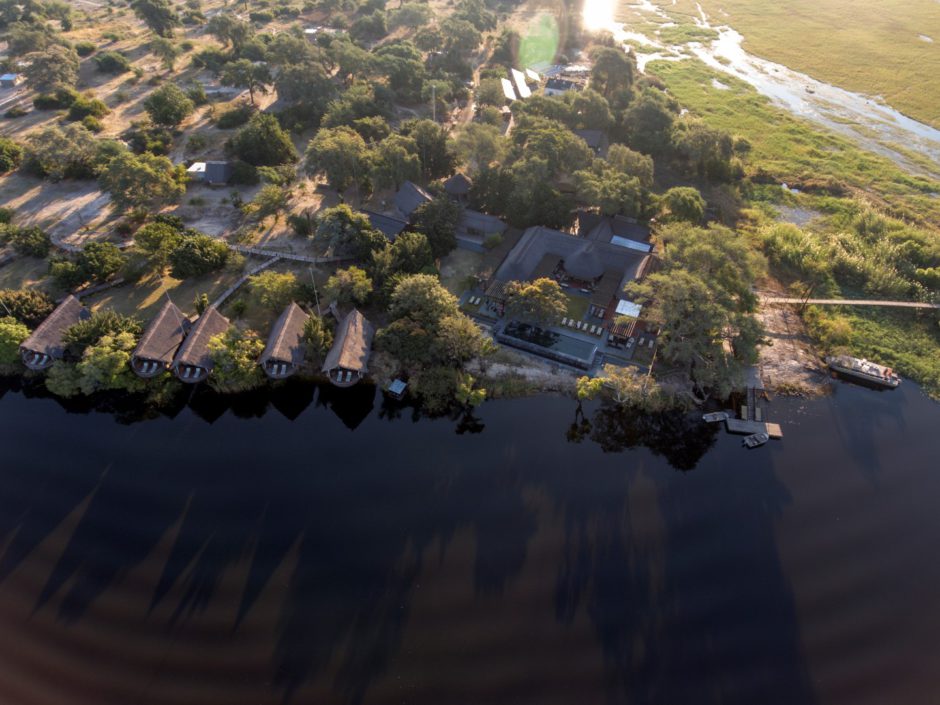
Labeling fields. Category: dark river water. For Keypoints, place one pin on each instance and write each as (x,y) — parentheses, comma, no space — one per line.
(321,546)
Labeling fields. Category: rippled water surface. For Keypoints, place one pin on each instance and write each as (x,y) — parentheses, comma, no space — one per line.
(321,546)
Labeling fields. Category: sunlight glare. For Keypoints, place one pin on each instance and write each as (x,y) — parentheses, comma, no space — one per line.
(597,14)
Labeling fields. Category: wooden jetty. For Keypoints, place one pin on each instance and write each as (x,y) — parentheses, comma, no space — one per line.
(746,427)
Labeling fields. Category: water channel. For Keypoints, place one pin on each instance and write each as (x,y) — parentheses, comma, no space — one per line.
(314,545)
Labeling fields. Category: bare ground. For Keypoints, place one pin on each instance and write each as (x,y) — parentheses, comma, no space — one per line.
(789,363)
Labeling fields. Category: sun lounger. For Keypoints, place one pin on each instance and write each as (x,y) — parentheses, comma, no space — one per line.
(187,372)
(652,343)
(564,321)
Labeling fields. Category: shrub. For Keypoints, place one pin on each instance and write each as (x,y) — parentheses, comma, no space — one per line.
(146,138)
(186,45)
(59,99)
(196,93)
(198,255)
(261,17)
(92,124)
(6,215)
(302,224)
(196,143)
(243,174)
(112,62)
(168,105)
(28,306)
(85,48)
(87,105)
(11,154)
(15,112)
(33,241)
(235,117)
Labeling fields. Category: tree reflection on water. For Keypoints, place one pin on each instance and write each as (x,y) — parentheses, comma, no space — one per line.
(359,514)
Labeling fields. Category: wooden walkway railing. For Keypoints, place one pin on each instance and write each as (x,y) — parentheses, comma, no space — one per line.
(846,302)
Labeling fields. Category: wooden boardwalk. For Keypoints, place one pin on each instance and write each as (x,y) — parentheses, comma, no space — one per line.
(846,302)
(748,427)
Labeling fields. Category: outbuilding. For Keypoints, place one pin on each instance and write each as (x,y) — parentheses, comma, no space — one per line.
(348,359)
(193,363)
(44,346)
(160,341)
(285,350)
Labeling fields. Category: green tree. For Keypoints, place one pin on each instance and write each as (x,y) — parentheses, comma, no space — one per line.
(612,71)
(143,180)
(467,393)
(247,74)
(395,161)
(411,14)
(706,151)
(648,122)
(54,67)
(28,306)
(411,253)
(198,255)
(235,356)
(631,163)
(270,200)
(479,145)
(341,154)
(589,110)
(460,36)
(263,142)
(437,220)
(308,88)
(273,290)
(437,160)
(540,302)
(318,337)
(423,299)
(11,154)
(631,387)
(69,151)
(82,335)
(460,340)
(201,303)
(169,105)
(611,191)
(551,142)
(351,286)
(105,365)
(12,333)
(341,229)
(99,261)
(230,30)
(166,51)
(683,203)
(31,242)
(158,15)
(158,240)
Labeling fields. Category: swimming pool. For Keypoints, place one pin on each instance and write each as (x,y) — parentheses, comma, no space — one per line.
(548,343)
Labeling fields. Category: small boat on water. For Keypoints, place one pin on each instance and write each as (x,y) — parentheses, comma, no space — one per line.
(864,369)
(715,416)
(755,439)
(809,90)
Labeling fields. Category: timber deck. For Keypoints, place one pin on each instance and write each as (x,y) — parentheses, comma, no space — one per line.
(748,427)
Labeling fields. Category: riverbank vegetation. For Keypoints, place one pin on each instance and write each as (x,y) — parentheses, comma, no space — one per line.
(889,48)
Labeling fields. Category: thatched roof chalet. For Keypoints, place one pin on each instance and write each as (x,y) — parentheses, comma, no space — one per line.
(194,352)
(160,341)
(351,348)
(458,185)
(284,352)
(44,346)
(410,197)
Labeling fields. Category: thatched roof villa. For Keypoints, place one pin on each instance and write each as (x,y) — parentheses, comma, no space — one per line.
(285,350)
(193,363)
(348,359)
(44,346)
(160,341)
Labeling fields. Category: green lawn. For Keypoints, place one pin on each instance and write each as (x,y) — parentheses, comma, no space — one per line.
(577,306)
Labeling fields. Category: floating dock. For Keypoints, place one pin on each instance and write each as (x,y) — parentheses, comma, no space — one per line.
(748,427)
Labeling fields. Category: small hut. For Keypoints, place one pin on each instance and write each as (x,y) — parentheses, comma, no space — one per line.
(193,363)
(410,197)
(285,350)
(44,346)
(348,359)
(160,341)
(458,187)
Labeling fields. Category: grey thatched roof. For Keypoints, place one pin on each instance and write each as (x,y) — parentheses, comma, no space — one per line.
(387,225)
(286,342)
(409,197)
(584,263)
(481,222)
(352,345)
(195,350)
(458,185)
(47,338)
(538,241)
(164,335)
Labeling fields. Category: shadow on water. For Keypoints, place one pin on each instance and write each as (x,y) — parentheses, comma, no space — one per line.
(360,518)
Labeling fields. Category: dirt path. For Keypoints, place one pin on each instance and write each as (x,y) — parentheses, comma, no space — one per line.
(790,362)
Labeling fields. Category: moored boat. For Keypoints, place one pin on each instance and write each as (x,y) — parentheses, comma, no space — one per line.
(715,416)
(867,370)
(756,439)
